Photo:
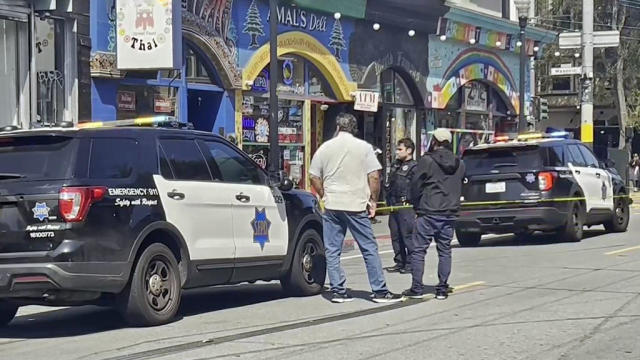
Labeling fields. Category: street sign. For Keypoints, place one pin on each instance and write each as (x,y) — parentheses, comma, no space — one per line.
(563,71)
(569,40)
(366,101)
(601,39)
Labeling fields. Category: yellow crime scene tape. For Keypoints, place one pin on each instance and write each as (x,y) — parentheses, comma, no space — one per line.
(390,209)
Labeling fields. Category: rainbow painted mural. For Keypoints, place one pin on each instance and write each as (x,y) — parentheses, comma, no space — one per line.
(475,64)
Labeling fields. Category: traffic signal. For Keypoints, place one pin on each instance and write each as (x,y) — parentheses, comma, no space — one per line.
(543,109)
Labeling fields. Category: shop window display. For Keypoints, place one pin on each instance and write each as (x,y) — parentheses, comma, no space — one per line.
(255,134)
(139,101)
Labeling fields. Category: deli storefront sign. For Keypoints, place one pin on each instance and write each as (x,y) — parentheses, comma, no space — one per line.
(149,34)
(366,101)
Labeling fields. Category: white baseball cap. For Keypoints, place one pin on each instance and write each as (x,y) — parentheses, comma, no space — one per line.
(442,135)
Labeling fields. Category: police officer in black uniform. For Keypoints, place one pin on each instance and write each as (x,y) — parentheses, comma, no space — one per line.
(401,221)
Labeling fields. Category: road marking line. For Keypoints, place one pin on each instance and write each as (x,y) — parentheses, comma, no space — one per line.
(622,250)
(466,286)
(360,255)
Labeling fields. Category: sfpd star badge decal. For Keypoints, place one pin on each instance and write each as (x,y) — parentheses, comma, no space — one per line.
(261,225)
(41,211)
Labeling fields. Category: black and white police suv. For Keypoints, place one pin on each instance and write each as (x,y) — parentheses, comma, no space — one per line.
(539,183)
(131,216)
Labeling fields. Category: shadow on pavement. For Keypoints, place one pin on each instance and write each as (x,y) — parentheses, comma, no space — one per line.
(537,239)
(83,320)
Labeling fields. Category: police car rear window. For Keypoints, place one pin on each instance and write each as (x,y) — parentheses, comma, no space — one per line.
(502,159)
(36,157)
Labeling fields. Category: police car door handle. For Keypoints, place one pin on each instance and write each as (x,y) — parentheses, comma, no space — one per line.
(243,198)
(175,195)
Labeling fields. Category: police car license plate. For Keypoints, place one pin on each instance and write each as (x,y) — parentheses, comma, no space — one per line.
(495,187)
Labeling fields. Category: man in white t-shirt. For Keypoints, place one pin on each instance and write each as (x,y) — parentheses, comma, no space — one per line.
(345,174)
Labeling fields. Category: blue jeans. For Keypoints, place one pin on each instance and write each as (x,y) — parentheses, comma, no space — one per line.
(335,224)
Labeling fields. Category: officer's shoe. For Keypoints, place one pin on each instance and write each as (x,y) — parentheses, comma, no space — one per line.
(405,270)
(395,268)
(413,295)
(442,294)
(387,297)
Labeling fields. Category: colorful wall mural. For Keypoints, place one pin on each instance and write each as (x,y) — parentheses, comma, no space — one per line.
(453,64)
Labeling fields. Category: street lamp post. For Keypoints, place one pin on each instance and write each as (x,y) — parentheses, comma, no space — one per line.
(523,7)
(274,146)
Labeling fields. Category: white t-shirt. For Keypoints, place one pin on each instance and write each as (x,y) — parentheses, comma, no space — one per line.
(343,163)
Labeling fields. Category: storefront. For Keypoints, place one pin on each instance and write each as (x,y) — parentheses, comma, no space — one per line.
(474,81)
(201,91)
(40,51)
(312,81)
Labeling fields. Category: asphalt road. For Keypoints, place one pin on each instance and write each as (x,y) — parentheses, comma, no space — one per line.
(537,299)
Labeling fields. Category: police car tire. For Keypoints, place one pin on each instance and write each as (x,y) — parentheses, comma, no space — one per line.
(468,239)
(297,281)
(135,306)
(615,225)
(7,312)
(572,231)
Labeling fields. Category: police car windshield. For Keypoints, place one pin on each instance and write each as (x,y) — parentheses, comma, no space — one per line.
(503,159)
(35,157)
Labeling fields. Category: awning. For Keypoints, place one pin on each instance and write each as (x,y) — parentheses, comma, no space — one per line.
(351,8)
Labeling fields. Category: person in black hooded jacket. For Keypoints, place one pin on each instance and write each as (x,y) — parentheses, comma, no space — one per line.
(436,188)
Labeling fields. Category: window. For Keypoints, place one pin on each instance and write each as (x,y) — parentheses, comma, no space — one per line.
(591,160)
(555,156)
(9,72)
(112,158)
(575,157)
(36,157)
(233,167)
(561,83)
(49,58)
(165,168)
(186,160)
(508,159)
(395,90)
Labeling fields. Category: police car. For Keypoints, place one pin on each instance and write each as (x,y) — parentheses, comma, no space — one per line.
(131,216)
(539,182)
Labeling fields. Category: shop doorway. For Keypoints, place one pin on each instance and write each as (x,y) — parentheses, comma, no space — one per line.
(203,107)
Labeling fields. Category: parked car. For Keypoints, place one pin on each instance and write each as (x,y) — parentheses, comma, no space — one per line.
(539,183)
(131,216)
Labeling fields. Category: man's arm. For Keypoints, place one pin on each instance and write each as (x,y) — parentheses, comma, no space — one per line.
(374,188)
(318,186)
(374,185)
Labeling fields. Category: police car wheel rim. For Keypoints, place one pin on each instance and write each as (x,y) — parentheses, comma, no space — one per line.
(158,280)
(310,251)
(575,218)
(620,212)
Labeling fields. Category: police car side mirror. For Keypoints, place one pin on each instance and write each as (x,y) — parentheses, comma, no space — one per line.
(610,164)
(281,181)
(286,184)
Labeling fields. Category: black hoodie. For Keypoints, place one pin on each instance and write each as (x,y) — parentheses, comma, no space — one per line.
(437,184)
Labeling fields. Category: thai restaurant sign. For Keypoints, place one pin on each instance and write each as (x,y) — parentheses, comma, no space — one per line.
(149,34)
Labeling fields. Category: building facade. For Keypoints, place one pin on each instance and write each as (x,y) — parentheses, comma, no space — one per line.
(44,50)
(420,58)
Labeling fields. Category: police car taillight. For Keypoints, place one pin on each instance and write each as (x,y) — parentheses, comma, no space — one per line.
(74,202)
(546,180)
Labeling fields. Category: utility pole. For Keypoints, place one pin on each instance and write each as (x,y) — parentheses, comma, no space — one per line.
(274,146)
(586,124)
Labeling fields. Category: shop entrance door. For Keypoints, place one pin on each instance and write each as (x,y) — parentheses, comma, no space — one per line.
(203,108)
